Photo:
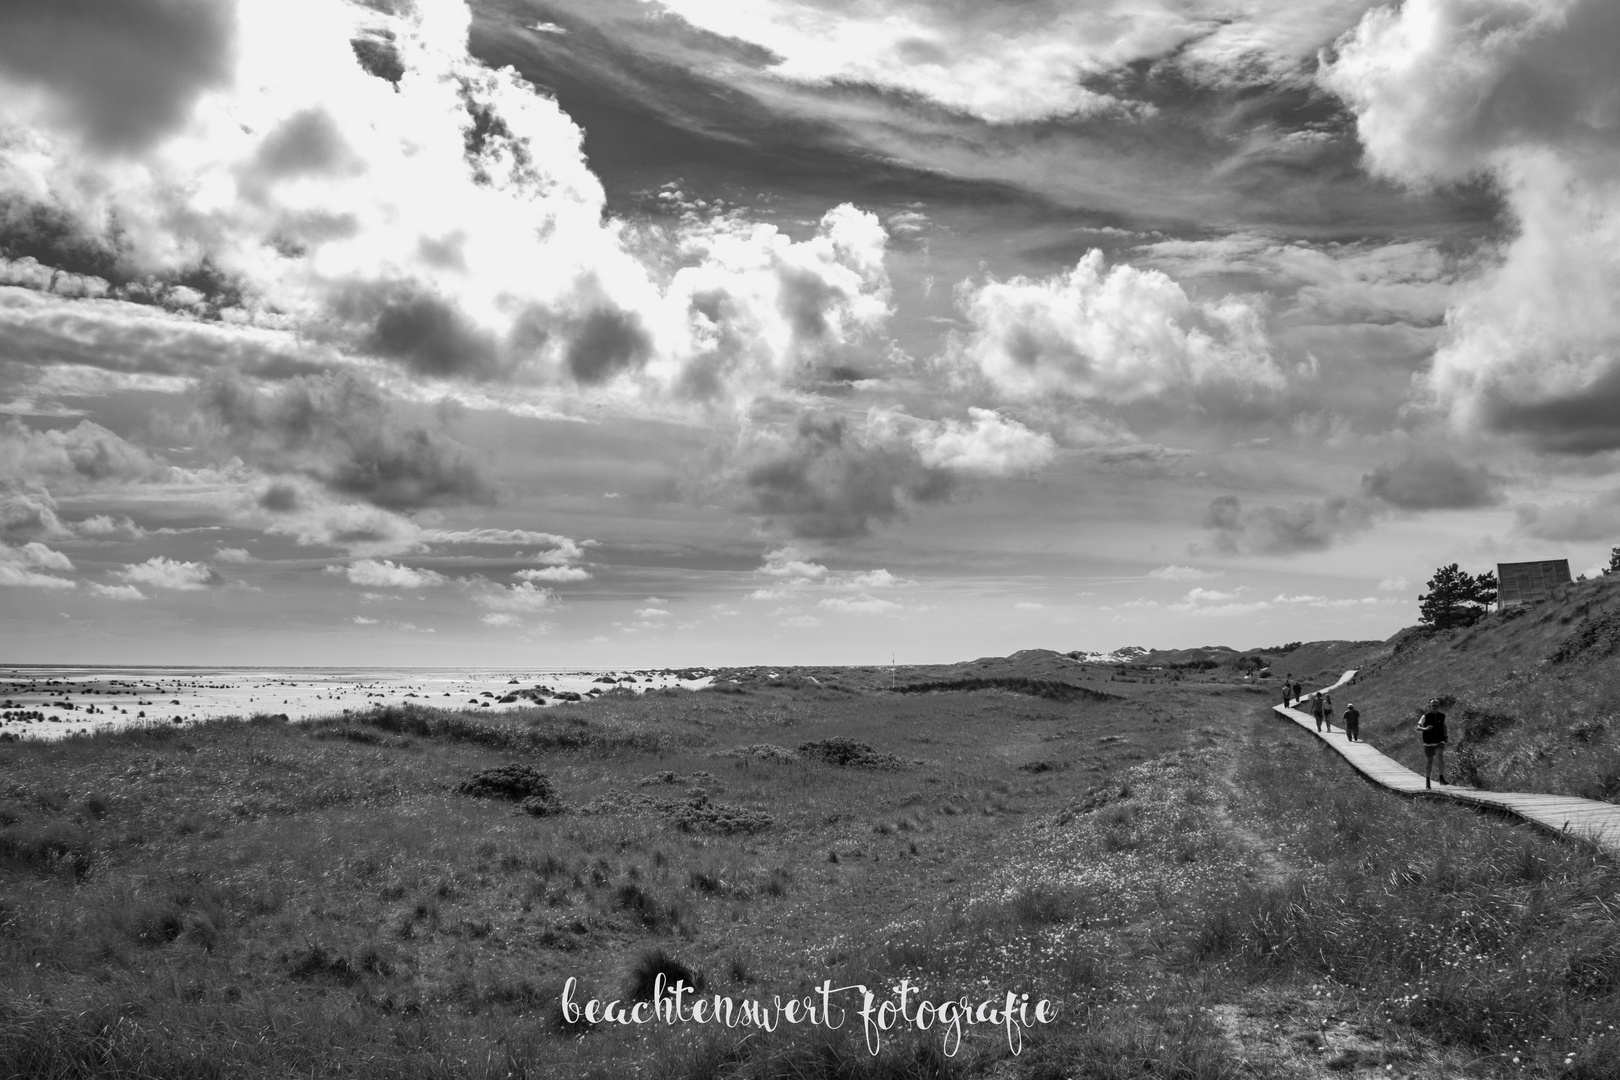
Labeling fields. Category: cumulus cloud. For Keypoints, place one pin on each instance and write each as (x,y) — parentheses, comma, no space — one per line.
(759,307)
(1393,584)
(1285,530)
(1433,481)
(21,566)
(988,445)
(116,592)
(296,507)
(233,555)
(108,527)
(1520,93)
(162,572)
(392,197)
(86,452)
(382,574)
(1119,334)
(29,513)
(790,562)
(522,598)
(554,574)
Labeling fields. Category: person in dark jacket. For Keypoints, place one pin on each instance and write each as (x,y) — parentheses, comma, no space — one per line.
(1432,727)
(1316,708)
(1288,691)
(1352,723)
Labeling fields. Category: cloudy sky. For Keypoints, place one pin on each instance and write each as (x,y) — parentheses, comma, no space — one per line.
(645,332)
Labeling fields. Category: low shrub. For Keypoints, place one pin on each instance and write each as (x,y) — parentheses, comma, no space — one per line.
(515,782)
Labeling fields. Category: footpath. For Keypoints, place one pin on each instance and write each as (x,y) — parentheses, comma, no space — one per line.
(1586,819)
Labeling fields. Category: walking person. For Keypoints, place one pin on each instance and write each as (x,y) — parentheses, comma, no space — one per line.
(1288,691)
(1432,727)
(1327,711)
(1299,693)
(1316,708)
(1352,723)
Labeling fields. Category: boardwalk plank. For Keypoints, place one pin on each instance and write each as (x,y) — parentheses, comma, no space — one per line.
(1597,822)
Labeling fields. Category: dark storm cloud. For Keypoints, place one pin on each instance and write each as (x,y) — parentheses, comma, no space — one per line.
(1595,518)
(607,341)
(1285,530)
(341,431)
(829,477)
(1433,481)
(125,72)
(429,336)
(1582,423)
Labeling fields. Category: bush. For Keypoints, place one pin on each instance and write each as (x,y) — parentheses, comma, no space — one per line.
(518,783)
(849,753)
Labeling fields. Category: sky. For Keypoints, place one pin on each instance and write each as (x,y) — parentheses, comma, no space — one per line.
(633,333)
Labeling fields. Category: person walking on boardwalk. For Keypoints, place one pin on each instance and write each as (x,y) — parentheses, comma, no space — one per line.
(1316,708)
(1288,690)
(1352,723)
(1432,726)
(1327,711)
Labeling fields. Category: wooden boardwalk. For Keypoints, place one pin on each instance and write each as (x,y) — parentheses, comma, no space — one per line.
(1586,819)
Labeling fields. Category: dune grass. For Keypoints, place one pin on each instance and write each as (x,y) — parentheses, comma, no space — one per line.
(1194,886)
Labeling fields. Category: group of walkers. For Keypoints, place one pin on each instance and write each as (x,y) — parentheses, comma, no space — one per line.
(1322,709)
(1431,725)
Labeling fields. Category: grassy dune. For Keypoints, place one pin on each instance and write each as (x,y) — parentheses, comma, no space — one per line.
(1200,891)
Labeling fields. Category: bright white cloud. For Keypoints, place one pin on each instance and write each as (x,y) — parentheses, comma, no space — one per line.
(233,555)
(864,605)
(1183,573)
(107,527)
(20,567)
(1393,584)
(789,562)
(988,445)
(1026,62)
(116,592)
(383,574)
(1120,334)
(554,574)
(519,599)
(1521,92)
(162,572)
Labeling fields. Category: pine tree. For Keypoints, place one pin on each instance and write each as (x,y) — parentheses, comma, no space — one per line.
(1456,598)
(1614,563)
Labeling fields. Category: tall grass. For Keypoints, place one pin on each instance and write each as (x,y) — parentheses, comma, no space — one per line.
(1481,933)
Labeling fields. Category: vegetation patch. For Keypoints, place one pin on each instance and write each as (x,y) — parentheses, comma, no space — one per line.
(1049,689)
(514,782)
(847,753)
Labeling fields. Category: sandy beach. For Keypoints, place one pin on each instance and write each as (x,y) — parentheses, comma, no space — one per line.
(51,702)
